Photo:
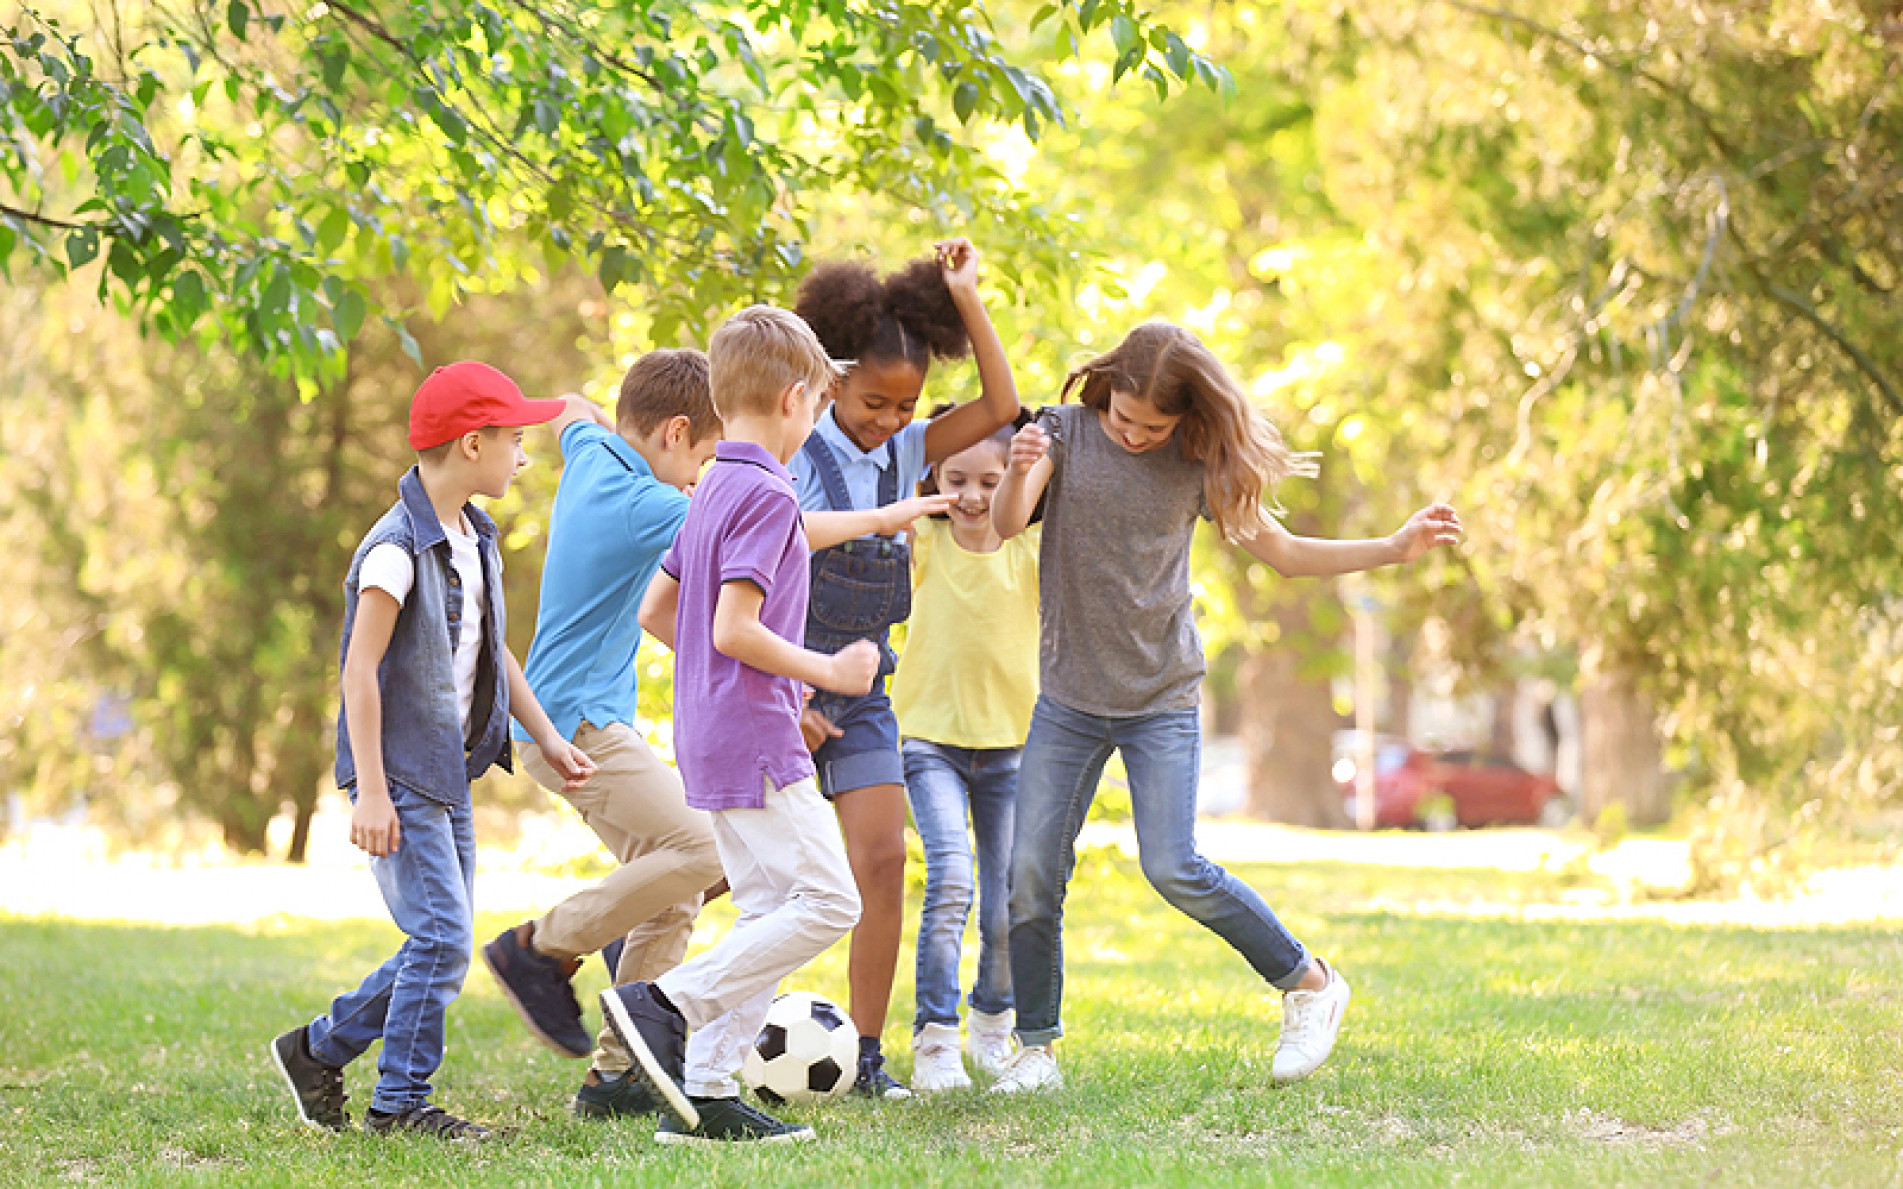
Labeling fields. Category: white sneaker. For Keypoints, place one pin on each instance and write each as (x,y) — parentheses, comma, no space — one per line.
(1033,1067)
(936,1064)
(1310,1020)
(988,1041)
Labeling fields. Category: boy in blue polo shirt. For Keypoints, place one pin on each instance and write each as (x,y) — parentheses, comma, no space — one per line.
(620,503)
(428,688)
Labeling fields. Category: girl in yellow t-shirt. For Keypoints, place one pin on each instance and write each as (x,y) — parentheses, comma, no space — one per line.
(963,694)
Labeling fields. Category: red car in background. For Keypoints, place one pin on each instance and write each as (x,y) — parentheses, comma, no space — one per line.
(1439,790)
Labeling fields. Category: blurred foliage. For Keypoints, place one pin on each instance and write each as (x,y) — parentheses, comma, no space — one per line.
(1617,279)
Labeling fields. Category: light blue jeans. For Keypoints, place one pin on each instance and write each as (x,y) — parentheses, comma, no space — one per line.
(429,885)
(946,785)
(1063,761)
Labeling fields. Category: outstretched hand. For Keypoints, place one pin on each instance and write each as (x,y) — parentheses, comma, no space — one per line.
(1436,524)
(898,517)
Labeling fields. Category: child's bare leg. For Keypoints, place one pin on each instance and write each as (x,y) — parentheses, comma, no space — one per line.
(872,820)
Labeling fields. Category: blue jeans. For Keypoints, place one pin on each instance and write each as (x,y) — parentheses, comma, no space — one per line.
(429,885)
(944,785)
(1063,761)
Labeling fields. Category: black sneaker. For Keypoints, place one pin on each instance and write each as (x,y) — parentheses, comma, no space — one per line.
(874,1082)
(729,1120)
(538,987)
(316,1088)
(607,1096)
(424,1119)
(655,1035)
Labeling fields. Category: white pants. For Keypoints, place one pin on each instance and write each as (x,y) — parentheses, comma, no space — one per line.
(787,873)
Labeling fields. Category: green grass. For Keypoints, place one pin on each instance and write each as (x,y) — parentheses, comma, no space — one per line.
(1477,1052)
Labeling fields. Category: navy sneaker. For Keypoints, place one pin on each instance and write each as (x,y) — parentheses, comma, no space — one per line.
(655,1035)
(424,1119)
(538,987)
(874,1082)
(608,1096)
(729,1121)
(316,1088)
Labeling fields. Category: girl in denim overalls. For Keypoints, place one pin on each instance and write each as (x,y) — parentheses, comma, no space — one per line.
(853,477)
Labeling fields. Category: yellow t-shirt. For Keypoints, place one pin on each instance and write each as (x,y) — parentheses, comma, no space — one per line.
(968,677)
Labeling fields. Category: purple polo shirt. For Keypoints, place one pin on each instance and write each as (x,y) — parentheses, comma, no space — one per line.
(736,727)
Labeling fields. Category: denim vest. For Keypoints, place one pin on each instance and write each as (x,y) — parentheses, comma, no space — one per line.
(424,748)
(860,587)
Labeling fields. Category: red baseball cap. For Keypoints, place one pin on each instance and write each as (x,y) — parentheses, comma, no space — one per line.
(466,396)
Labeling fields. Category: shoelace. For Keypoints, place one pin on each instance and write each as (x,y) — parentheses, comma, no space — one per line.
(330,1088)
(437,1121)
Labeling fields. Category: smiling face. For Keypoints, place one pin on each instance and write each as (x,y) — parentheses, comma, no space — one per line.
(877,399)
(973,475)
(1134,423)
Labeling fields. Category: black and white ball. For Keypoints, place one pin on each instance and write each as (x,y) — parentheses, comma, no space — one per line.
(808,1051)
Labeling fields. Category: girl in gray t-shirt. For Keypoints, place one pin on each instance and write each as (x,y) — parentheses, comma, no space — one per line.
(1162,435)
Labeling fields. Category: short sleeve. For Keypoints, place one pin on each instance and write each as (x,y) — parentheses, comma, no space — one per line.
(671,560)
(388,568)
(756,539)
(579,434)
(654,519)
(910,448)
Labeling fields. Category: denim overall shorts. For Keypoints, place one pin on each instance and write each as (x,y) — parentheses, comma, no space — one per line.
(860,589)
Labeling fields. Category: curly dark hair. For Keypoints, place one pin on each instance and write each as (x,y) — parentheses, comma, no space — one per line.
(907,315)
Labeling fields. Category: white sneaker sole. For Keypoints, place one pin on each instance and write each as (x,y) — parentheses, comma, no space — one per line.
(646,1063)
(297,1100)
(675,1139)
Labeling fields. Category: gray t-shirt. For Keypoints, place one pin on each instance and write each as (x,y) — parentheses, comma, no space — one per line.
(1119,626)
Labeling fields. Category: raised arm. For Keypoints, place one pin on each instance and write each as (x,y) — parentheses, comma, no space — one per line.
(578,408)
(1315,557)
(1025,478)
(738,633)
(997,403)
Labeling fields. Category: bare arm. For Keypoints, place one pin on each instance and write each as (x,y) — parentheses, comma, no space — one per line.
(570,761)
(824,529)
(373,820)
(659,606)
(738,633)
(579,408)
(1314,557)
(997,403)
(1025,479)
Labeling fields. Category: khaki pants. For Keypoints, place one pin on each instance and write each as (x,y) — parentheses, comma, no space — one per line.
(636,805)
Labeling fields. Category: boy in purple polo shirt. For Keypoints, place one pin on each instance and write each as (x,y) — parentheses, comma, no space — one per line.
(730,600)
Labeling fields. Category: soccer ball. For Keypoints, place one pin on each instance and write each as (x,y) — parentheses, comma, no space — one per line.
(808,1051)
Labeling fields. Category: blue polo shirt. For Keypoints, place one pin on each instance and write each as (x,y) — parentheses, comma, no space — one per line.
(612,522)
(860,468)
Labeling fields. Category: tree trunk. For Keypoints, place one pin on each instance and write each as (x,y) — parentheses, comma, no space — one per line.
(1620,745)
(1288,724)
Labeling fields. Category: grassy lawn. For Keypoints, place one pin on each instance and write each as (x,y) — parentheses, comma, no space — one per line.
(1478,1051)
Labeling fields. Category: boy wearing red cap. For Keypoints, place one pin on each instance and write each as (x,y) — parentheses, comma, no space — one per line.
(428,688)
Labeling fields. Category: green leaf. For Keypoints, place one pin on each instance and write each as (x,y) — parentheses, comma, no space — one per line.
(1123,31)
(349,315)
(965,100)
(407,341)
(333,229)
(188,297)
(81,246)
(1041,15)
(237,16)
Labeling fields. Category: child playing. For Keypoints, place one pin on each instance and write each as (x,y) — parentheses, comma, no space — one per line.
(865,452)
(963,694)
(621,500)
(730,601)
(428,687)
(1162,436)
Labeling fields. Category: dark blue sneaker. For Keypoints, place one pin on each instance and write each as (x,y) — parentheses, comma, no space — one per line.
(874,1082)
(612,1096)
(424,1119)
(538,987)
(655,1035)
(729,1121)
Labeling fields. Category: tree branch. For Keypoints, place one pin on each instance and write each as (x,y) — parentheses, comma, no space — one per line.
(44,221)
(1865,364)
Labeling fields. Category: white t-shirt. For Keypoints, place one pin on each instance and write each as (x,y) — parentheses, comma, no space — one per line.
(388,568)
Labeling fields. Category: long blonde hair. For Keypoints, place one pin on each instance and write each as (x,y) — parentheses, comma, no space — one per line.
(1243,456)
